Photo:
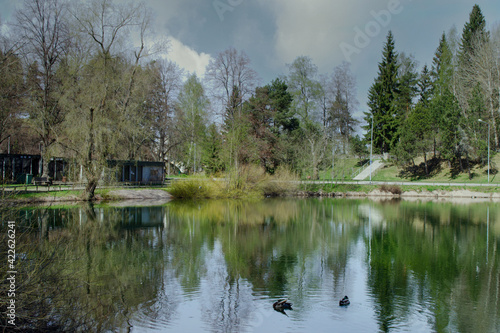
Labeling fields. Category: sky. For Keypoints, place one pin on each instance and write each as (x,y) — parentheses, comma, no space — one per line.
(275,32)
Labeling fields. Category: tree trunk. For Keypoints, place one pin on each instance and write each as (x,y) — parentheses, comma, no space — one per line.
(468,166)
(44,159)
(314,166)
(435,143)
(425,162)
(89,193)
(45,226)
(333,163)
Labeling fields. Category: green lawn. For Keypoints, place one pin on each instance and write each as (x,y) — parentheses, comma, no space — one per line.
(391,172)
(344,168)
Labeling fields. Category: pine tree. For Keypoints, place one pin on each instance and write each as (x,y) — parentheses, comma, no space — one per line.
(382,98)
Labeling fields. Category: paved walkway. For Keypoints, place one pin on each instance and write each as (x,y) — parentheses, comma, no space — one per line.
(366,172)
(367,182)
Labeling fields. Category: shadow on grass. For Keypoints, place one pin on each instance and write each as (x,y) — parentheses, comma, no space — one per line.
(435,166)
(419,172)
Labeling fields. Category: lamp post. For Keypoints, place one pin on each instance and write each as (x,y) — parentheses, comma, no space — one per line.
(487,123)
(371,150)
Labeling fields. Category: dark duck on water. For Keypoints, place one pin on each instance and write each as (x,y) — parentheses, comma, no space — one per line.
(281,305)
(344,301)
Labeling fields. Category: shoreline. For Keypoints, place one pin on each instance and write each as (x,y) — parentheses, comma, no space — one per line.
(403,195)
(161,196)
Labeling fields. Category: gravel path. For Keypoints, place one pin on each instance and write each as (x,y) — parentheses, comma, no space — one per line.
(141,194)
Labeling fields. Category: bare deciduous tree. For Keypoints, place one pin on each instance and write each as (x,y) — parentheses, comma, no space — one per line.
(105,105)
(167,82)
(43,31)
(483,68)
(232,79)
(11,87)
(340,118)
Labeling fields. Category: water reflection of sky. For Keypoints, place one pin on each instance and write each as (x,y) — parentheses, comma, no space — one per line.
(219,307)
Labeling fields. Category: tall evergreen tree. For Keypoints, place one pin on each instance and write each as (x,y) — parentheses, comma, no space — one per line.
(471,93)
(442,67)
(450,134)
(268,112)
(475,28)
(382,98)
(408,85)
(425,86)
(444,131)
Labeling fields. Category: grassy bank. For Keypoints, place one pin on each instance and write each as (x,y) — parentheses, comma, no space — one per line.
(394,189)
(56,195)
(439,172)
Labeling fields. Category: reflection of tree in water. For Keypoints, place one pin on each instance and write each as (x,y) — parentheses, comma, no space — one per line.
(226,301)
(277,246)
(93,275)
(431,258)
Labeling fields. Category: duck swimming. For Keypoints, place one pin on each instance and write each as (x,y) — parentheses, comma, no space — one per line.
(344,301)
(281,305)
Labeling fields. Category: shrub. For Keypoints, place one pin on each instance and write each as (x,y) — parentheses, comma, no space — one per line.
(248,181)
(190,188)
(394,189)
(282,182)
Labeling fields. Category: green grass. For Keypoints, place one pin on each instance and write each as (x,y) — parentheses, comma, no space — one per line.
(344,168)
(391,172)
(59,194)
(329,188)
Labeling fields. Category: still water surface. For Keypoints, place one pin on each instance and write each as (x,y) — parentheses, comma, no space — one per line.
(218,266)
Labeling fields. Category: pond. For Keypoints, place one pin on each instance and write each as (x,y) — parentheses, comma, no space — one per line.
(218,266)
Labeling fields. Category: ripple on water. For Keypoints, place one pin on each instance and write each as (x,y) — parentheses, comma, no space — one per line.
(156,314)
(144,321)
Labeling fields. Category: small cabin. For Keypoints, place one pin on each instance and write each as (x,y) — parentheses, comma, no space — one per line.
(15,167)
(140,172)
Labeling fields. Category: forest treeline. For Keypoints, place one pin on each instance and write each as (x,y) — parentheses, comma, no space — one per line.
(83,80)
(449,110)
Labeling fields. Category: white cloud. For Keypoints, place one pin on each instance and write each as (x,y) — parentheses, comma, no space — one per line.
(187,58)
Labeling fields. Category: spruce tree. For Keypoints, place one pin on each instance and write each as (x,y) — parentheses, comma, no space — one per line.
(445,132)
(442,67)
(382,101)
(471,93)
(425,86)
(408,85)
(475,28)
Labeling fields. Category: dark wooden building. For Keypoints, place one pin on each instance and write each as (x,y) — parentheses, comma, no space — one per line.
(15,168)
(140,172)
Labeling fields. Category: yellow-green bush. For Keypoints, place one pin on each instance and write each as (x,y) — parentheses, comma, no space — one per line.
(248,181)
